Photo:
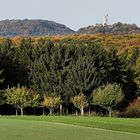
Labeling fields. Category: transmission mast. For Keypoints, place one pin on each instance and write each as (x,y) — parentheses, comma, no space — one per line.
(106,20)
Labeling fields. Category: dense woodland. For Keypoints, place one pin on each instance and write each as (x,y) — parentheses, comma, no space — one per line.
(61,71)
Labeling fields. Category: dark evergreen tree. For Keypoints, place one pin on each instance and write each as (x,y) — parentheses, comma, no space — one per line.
(83,76)
(115,68)
(2,96)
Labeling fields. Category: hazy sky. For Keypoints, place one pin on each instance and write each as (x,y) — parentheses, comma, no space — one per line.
(72,13)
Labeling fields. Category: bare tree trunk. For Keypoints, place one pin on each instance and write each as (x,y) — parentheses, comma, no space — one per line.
(61,109)
(67,111)
(51,111)
(76,112)
(16,111)
(43,111)
(34,112)
(82,111)
(21,110)
(110,112)
(89,112)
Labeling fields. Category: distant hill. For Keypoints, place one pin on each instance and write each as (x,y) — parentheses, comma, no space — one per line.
(32,27)
(117,28)
(39,27)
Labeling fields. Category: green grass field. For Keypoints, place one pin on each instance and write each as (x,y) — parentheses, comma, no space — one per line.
(68,128)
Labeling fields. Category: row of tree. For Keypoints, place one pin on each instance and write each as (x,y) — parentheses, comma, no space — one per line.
(66,69)
(107,97)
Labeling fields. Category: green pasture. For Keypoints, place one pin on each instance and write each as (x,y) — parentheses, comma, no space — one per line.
(68,128)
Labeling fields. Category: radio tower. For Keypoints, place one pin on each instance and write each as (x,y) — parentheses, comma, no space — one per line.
(105,20)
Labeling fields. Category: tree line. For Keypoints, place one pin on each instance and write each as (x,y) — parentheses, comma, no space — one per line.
(67,74)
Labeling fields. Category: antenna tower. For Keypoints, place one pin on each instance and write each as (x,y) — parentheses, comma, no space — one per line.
(106,20)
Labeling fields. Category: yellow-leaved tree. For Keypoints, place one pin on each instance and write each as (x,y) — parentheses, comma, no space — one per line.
(51,103)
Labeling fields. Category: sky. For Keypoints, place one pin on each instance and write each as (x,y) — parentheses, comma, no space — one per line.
(73,13)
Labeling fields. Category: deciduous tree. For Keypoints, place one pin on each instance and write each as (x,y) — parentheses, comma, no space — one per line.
(20,97)
(51,103)
(80,101)
(108,96)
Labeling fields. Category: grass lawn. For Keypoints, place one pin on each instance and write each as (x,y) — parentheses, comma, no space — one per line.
(68,128)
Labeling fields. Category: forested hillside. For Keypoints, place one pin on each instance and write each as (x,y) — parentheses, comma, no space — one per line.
(32,28)
(117,28)
(66,69)
(11,28)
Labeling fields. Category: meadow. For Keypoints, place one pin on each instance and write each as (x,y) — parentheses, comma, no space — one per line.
(68,128)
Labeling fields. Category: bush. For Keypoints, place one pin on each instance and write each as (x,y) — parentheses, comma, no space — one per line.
(133,110)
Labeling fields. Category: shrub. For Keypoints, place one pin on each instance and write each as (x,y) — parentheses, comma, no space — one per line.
(133,110)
